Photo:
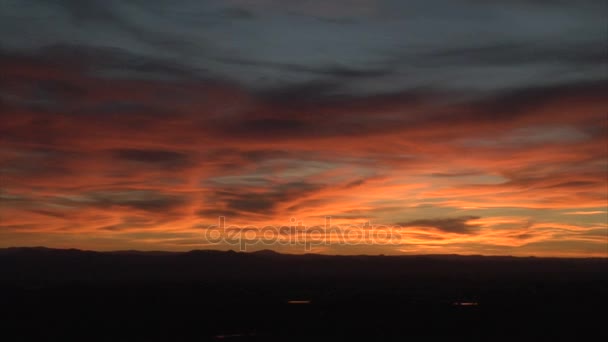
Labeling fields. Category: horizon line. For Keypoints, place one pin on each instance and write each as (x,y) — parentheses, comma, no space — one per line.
(260,251)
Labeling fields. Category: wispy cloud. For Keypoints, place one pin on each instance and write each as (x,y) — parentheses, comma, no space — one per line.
(592,212)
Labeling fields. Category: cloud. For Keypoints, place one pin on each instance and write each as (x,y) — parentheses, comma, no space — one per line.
(456,174)
(145,200)
(590,212)
(458,225)
(514,53)
(130,223)
(269,128)
(264,202)
(277,44)
(120,112)
(161,158)
(238,13)
(332,71)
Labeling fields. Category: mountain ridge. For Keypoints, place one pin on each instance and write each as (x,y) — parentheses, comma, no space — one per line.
(269,252)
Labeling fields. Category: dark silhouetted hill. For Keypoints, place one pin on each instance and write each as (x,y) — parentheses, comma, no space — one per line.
(52,294)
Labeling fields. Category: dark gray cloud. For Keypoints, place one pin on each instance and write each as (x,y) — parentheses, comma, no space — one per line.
(303,94)
(385,46)
(262,155)
(238,13)
(68,206)
(264,202)
(51,213)
(147,200)
(115,62)
(215,213)
(457,225)
(516,102)
(162,158)
(334,71)
(514,53)
(270,128)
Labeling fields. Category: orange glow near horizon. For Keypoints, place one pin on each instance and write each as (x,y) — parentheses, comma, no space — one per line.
(95,174)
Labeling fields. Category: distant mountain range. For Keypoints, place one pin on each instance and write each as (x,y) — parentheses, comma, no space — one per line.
(77,265)
(69,294)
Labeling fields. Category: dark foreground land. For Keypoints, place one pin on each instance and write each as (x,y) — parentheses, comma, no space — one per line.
(62,295)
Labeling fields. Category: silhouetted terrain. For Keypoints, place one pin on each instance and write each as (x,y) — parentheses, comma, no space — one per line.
(49,294)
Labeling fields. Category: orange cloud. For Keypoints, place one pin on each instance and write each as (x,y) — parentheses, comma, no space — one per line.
(144,164)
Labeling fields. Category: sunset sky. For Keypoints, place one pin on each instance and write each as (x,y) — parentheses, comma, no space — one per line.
(471,127)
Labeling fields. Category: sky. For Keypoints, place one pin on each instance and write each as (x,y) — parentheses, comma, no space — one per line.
(469,127)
